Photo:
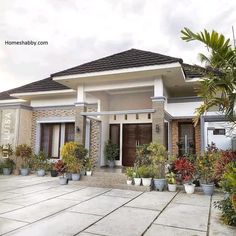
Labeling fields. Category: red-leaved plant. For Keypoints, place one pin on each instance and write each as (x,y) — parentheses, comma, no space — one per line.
(60,167)
(221,164)
(185,168)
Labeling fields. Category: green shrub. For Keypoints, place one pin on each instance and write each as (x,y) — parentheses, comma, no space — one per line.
(8,163)
(228,205)
(111,151)
(129,172)
(146,171)
(40,161)
(142,156)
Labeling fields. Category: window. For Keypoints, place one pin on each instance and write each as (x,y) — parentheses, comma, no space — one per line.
(115,135)
(219,132)
(50,139)
(53,137)
(69,132)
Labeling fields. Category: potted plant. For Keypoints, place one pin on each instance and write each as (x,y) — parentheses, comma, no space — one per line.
(89,165)
(7,166)
(111,152)
(136,176)
(74,150)
(186,170)
(60,167)
(206,168)
(171,180)
(40,163)
(129,173)
(74,167)
(6,150)
(146,173)
(159,157)
(53,170)
(24,152)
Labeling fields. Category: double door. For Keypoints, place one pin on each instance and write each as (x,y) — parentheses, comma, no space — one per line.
(133,136)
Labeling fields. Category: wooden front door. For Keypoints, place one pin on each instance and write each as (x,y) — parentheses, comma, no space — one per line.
(134,135)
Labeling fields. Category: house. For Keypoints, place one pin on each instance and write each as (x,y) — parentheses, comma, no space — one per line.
(132,97)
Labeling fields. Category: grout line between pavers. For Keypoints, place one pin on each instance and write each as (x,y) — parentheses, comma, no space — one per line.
(108,214)
(143,208)
(31,223)
(160,213)
(209,218)
(177,227)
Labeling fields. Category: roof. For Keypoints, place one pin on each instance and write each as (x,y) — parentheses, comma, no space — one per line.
(193,71)
(123,60)
(39,86)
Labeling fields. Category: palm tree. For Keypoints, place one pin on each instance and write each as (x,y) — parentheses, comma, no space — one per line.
(218,88)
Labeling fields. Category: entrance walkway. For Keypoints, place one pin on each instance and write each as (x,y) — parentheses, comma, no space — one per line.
(39,206)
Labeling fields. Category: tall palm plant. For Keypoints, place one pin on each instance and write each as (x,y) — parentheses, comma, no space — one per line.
(218,88)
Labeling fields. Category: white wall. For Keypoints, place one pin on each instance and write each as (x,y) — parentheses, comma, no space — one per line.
(182,108)
(130,101)
(53,101)
(222,141)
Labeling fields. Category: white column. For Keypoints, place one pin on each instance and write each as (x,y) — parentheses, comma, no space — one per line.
(158,88)
(81,95)
(104,106)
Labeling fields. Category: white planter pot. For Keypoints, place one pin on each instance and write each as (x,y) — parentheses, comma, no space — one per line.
(189,188)
(88,172)
(172,187)
(137,181)
(146,181)
(129,181)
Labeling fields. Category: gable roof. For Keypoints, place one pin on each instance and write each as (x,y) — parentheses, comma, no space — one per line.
(123,60)
(47,84)
(193,71)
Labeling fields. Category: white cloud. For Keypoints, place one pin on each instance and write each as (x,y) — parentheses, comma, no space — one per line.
(79,31)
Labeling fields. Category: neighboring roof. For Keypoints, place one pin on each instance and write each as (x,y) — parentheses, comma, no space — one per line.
(193,71)
(39,86)
(123,60)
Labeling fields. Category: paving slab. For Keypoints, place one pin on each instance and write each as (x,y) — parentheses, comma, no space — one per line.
(7,225)
(36,197)
(152,200)
(84,194)
(88,234)
(125,221)
(101,205)
(216,227)
(123,193)
(38,211)
(184,216)
(6,195)
(5,207)
(162,230)
(198,199)
(63,224)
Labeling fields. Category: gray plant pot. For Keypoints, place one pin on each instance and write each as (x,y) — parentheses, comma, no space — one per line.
(111,163)
(159,184)
(41,172)
(76,177)
(208,189)
(24,171)
(63,180)
(6,171)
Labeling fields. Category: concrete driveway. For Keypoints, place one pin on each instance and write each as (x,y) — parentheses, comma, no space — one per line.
(40,206)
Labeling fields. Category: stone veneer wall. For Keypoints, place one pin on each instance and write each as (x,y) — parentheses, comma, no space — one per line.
(175,136)
(94,135)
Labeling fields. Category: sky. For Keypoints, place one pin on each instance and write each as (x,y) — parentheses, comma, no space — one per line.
(78,31)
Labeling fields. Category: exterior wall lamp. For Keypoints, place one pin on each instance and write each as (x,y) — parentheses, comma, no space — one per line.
(77,129)
(157,128)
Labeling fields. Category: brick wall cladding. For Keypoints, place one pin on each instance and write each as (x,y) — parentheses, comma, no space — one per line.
(175,136)
(47,113)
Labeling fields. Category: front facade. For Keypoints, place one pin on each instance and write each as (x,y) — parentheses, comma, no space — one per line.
(133,97)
